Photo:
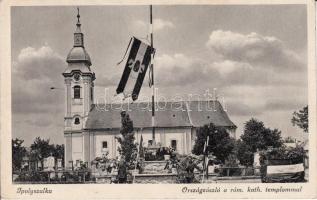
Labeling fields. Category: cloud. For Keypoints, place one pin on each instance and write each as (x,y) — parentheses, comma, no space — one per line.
(226,70)
(35,64)
(248,90)
(181,70)
(255,49)
(250,60)
(37,110)
(229,66)
(158,24)
(34,72)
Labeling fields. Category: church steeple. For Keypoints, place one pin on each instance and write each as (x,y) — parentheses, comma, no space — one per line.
(79,98)
(78,53)
(78,35)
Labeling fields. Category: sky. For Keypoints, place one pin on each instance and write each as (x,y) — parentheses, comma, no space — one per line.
(255,56)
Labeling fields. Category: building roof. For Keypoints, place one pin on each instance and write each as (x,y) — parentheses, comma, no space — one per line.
(168,114)
(204,112)
(78,54)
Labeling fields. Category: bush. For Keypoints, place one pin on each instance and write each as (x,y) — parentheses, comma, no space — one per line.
(256,137)
(289,154)
(32,177)
(220,144)
(231,161)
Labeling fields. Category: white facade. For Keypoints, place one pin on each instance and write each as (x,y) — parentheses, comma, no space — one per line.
(100,143)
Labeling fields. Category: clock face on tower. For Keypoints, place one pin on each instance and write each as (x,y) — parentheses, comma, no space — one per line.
(76,77)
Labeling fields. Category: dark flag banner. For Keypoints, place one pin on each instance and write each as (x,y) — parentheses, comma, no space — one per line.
(135,69)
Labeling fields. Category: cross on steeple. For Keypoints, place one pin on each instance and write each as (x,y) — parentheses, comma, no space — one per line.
(78,16)
(78,24)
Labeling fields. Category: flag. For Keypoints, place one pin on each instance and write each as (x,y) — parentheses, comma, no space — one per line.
(281,172)
(135,69)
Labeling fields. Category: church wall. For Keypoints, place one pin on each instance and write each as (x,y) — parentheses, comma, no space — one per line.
(89,145)
(112,147)
(68,150)
(164,136)
(86,152)
(77,147)
(92,151)
(181,135)
(147,135)
(179,138)
(77,108)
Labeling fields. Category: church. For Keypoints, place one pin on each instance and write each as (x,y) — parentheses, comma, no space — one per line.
(90,129)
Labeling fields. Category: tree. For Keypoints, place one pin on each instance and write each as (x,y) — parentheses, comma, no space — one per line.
(41,149)
(58,151)
(300,119)
(18,152)
(256,137)
(220,144)
(244,153)
(127,148)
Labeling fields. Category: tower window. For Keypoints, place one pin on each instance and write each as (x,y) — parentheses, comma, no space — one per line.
(77,121)
(174,144)
(77,92)
(104,144)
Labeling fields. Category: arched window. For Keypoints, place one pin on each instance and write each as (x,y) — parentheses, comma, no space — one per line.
(77,121)
(77,92)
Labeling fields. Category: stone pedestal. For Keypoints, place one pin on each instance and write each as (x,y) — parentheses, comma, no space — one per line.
(154,167)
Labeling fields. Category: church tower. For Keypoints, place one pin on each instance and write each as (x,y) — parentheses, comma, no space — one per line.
(79,97)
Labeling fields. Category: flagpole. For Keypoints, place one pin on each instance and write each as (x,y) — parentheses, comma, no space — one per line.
(152,78)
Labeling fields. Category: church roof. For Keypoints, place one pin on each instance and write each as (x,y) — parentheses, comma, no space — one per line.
(169,114)
(78,54)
